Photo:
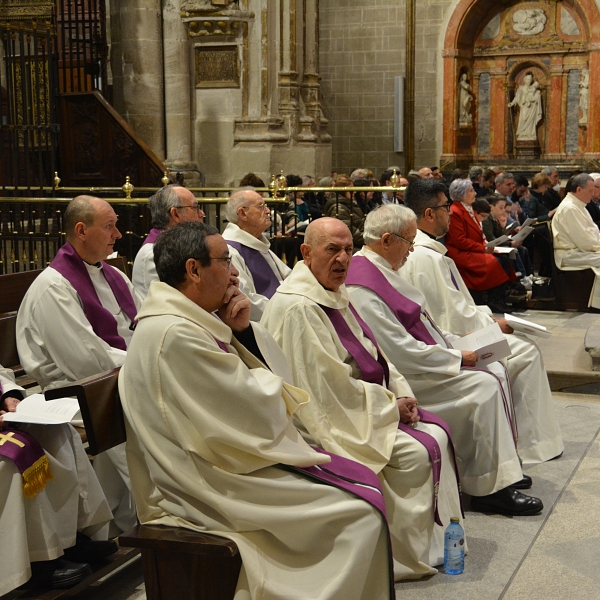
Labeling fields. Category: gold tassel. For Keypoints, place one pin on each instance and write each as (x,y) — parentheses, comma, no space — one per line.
(36,476)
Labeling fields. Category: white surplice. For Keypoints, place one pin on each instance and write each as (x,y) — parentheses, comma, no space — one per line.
(471,402)
(359,420)
(40,528)
(144,270)
(453,309)
(577,241)
(235,234)
(205,428)
(58,346)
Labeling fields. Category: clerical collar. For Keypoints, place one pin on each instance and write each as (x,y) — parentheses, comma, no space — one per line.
(98,265)
(428,234)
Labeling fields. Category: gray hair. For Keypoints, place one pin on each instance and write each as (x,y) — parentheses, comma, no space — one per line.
(595,176)
(580,181)
(359,174)
(475,173)
(177,245)
(502,177)
(237,199)
(389,218)
(548,171)
(326,181)
(458,189)
(161,204)
(79,210)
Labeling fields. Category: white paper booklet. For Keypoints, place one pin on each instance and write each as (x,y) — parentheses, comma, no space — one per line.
(530,221)
(489,343)
(512,252)
(527,326)
(519,237)
(35,409)
(498,240)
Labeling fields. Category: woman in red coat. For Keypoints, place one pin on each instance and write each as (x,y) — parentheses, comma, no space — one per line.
(481,270)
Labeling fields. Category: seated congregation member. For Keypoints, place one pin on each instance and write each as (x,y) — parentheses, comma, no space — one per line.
(593,207)
(260,271)
(211,444)
(576,237)
(50,500)
(172,204)
(482,271)
(452,308)
(344,207)
(76,321)
(540,207)
(473,403)
(361,407)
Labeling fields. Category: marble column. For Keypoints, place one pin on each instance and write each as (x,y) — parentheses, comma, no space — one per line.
(555,140)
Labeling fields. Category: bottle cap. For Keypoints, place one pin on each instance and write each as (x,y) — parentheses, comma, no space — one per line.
(454,520)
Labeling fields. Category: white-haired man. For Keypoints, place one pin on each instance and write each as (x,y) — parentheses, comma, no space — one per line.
(260,270)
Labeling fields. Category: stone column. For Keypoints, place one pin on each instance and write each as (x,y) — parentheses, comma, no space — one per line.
(593,131)
(499,100)
(554,110)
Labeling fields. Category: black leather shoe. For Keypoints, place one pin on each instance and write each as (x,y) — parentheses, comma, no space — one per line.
(58,573)
(87,550)
(524,484)
(508,501)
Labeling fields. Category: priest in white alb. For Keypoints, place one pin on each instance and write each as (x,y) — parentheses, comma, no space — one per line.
(212,447)
(362,408)
(473,402)
(261,271)
(452,308)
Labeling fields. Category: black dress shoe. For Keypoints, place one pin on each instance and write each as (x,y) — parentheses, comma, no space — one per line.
(508,501)
(524,484)
(87,550)
(58,573)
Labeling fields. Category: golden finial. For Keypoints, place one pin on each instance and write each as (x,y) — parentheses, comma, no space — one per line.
(56,179)
(127,187)
(394,179)
(165,179)
(281,181)
(273,187)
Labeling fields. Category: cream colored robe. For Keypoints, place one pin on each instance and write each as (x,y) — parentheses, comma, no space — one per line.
(430,271)
(235,234)
(469,401)
(577,241)
(40,528)
(144,270)
(205,429)
(359,420)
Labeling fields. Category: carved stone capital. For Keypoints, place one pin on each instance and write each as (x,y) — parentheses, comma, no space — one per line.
(220,23)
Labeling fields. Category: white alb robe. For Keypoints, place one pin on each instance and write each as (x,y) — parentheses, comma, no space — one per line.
(469,401)
(359,420)
(453,309)
(577,241)
(204,431)
(235,234)
(40,528)
(58,346)
(144,270)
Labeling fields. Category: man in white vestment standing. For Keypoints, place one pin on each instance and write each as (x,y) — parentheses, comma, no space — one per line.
(260,269)
(362,407)
(212,447)
(576,237)
(473,402)
(171,205)
(452,308)
(37,529)
(76,321)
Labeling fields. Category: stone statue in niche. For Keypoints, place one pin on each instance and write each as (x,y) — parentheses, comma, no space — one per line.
(529,21)
(465,100)
(529,100)
(584,96)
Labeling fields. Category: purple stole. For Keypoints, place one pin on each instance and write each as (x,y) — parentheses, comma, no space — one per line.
(265,280)
(152,236)
(364,273)
(69,264)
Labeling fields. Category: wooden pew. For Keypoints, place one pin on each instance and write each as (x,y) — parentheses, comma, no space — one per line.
(13,287)
(179,564)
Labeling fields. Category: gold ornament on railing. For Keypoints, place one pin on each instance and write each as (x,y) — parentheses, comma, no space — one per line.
(165,179)
(281,181)
(273,187)
(127,188)
(56,180)
(394,179)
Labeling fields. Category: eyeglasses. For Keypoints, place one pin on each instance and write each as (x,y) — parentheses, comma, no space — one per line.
(195,207)
(410,244)
(446,206)
(227,259)
(260,206)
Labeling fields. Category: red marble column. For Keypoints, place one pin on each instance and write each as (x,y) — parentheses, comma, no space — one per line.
(593,128)
(555,115)
(450,108)
(498,113)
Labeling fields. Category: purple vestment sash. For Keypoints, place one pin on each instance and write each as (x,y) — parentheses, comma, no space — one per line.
(152,236)
(265,280)
(371,370)
(69,264)
(364,273)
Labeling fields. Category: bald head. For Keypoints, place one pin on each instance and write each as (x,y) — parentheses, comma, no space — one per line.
(81,209)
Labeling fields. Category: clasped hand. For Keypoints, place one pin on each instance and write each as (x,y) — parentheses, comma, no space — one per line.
(408,410)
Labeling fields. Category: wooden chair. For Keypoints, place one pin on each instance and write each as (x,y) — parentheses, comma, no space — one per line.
(120,262)
(13,287)
(179,564)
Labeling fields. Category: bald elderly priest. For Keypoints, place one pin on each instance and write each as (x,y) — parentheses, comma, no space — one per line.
(362,407)
(473,402)
(211,444)
(76,321)
(450,304)
(260,270)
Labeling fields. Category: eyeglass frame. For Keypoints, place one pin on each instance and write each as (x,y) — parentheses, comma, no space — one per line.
(410,244)
(447,206)
(227,259)
(195,207)
(260,206)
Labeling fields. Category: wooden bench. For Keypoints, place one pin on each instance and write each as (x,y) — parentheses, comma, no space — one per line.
(178,563)
(13,287)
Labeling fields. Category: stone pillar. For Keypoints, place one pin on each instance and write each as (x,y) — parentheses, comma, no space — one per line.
(554,110)
(137,66)
(593,131)
(499,100)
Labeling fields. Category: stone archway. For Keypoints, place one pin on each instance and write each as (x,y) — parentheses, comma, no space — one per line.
(495,44)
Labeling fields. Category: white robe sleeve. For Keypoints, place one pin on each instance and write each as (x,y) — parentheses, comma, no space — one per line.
(7,379)
(144,270)
(258,301)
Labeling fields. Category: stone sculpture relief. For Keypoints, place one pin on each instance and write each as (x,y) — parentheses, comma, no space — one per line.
(529,100)
(529,21)
(584,96)
(465,100)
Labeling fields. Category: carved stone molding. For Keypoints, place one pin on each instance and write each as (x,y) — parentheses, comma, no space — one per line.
(221,23)
(26,10)
(261,129)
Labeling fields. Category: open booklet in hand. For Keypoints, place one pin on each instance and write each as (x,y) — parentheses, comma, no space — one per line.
(524,326)
(36,409)
(489,343)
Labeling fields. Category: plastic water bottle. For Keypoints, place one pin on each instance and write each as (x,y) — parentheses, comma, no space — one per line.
(454,548)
